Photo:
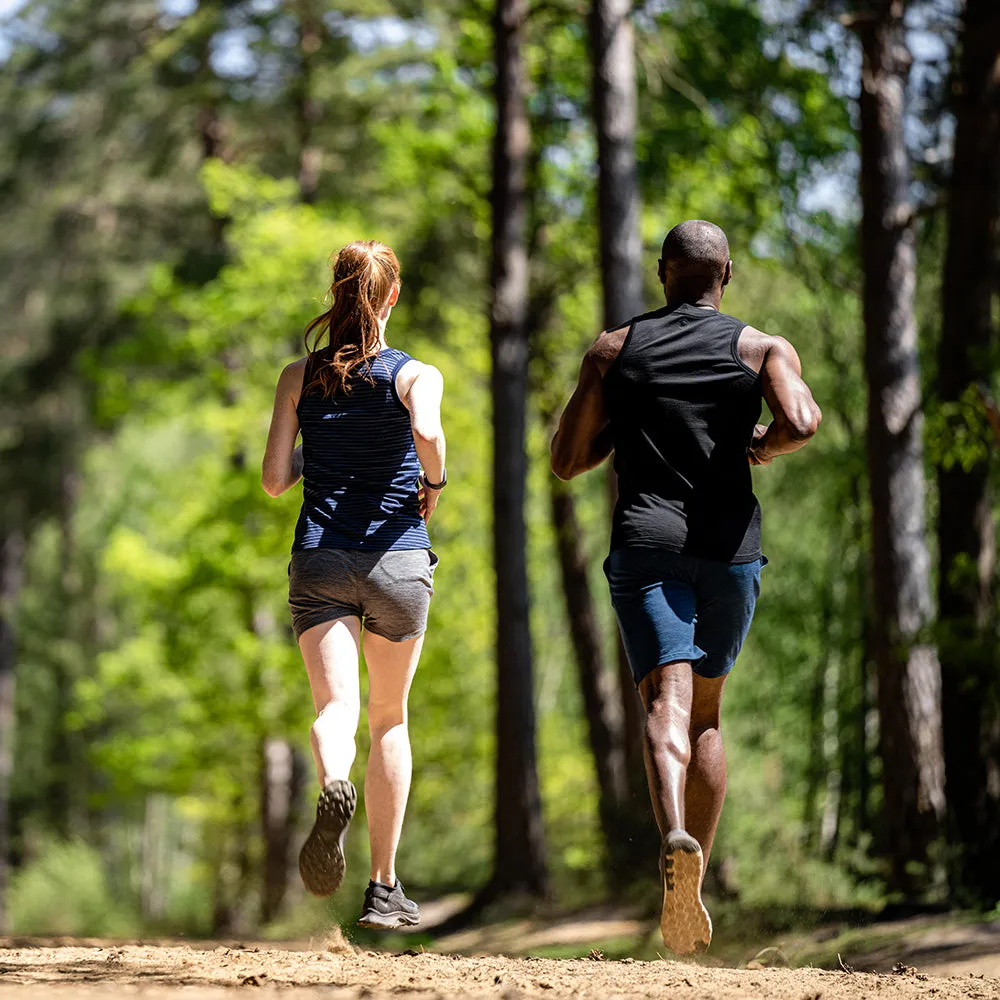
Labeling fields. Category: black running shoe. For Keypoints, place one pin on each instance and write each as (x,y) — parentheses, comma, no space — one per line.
(386,907)
(321,860)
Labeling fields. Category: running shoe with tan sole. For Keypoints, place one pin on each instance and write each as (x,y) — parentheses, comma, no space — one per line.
(321,860)
(684,922)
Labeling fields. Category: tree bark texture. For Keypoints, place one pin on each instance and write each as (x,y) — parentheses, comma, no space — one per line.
(966,530)
(64,771)
(282,782)
(597,684)
(909,677)
(615,104)
(633,716)
(308,109)
(11,565)
(520,847)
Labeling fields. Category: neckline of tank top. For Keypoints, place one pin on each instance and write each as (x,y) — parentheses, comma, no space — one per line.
(368,364)
(371,357)
(661,313)
(666,309)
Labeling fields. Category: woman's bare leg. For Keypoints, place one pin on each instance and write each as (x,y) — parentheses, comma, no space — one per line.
(330,652)
(391,666)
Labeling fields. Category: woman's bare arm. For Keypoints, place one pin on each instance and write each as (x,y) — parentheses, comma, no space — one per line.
(421,388)
(282,466)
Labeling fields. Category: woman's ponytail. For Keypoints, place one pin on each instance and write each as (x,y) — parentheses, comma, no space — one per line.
(364,275)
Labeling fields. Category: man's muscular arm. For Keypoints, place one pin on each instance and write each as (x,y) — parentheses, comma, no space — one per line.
(796,415)
(584,438)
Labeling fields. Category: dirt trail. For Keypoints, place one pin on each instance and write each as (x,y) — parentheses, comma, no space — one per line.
(341,972)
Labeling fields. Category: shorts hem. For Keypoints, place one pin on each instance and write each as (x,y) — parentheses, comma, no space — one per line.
(320,618)
(393,638)
(666,661)
(715,674)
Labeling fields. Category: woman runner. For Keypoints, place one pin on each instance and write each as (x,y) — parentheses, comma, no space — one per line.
(361,560)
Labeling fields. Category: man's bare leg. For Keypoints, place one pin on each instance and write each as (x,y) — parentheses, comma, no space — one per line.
(667,694)
(330,652)
(706,773)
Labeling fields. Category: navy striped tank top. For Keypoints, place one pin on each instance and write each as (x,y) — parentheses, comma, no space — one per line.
(360,466)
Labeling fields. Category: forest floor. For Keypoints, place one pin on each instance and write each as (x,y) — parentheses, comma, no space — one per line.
(946,958)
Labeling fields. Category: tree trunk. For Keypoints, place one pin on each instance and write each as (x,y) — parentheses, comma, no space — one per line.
(520,847)
(64,770)
(282,781)
(633,716)
(604,724)
(11,564)
(829,829)
(154,859)
(966,531)
(909,677)
(615,110)
(308,110)
(282,766)
(614,97)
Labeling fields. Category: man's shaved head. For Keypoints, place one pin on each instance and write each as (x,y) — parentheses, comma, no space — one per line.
(695,254)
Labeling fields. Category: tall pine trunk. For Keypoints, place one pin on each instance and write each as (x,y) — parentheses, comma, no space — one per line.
(966,531)
(604,723)
(615,103)
(909,676)
(11,564)
(520,846)
(308,109)
(283,767)
(614,96)
(282,781)
(63,770)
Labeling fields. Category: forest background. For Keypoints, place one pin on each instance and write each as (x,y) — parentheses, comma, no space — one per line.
(174,176)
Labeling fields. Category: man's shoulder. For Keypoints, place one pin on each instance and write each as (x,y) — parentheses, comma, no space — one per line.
(609,344)
(753,346)
(606,348)
(735,320)
(653,316)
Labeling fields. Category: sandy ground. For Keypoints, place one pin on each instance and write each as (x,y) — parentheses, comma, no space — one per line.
(339,971)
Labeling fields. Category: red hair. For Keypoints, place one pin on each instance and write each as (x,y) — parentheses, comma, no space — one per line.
(364,275)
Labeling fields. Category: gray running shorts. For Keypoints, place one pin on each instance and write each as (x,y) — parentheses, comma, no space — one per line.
(389,591)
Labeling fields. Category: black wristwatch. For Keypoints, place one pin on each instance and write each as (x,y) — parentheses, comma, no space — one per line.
(435,486)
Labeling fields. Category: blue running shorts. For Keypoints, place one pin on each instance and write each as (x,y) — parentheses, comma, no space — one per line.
(674,607)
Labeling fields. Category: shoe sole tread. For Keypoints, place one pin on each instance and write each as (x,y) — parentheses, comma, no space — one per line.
(321,860)
(684,921)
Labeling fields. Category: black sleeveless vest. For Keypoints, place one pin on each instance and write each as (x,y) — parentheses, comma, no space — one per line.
(683,407)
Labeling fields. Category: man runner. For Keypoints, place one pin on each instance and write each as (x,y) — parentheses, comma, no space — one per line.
(676,394)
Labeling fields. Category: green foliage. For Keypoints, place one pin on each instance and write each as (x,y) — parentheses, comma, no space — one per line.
(65,891)
(160,290)
(960,433)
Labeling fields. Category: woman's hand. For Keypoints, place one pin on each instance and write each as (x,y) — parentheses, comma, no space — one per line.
(428,499)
